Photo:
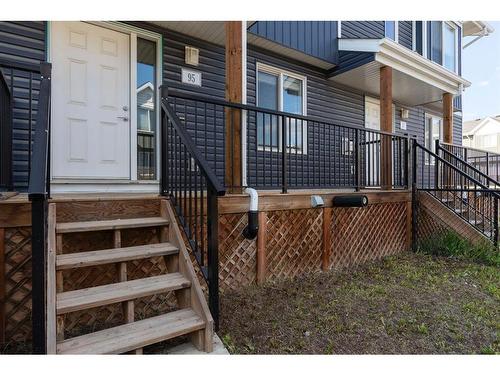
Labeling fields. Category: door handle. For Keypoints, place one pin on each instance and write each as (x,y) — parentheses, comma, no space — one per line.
(124,118)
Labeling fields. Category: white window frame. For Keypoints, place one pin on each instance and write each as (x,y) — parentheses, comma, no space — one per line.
(396,30)
(260,67)
(454,26)
(427,117)
(455,32)
(134,33)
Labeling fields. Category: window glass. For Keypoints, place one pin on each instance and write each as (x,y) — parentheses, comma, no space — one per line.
(390,30)
(436,41)
(449,47)
(146,109)
(267,125)
(433,130)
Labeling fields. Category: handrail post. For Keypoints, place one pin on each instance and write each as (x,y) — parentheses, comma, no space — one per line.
(407,161)
(284,187)
(495,221)
(487,164)
(213,253)
(414,196)
(436,166)
(163,143)
(356,160)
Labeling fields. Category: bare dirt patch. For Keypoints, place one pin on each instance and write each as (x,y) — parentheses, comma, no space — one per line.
(411,303)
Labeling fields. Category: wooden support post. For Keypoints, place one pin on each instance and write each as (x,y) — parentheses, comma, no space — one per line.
(234,93)
(261,248)
(386,117)
(327,238)
(2,286)
(448,118)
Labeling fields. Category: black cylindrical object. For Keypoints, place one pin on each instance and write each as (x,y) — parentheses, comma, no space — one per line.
(350,201)
(250,232)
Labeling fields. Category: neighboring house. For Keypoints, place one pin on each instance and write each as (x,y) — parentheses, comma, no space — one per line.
(482,134)
(152,127)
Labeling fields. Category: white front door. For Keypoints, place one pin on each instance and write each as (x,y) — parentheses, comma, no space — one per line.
(90,102)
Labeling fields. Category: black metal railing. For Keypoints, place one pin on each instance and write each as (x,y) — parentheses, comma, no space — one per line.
(289,151)
(485,161)
(39,193)
(447,152)
(23,80)
(193,188)
(6,182)
(468,197)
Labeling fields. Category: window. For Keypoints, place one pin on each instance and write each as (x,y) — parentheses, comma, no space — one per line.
(433,131)
(146,109)
(282,91)
(450,47)
(488,141)
(443,44)
(391,31)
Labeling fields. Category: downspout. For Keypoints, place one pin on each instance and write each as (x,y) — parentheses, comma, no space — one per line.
(250,232)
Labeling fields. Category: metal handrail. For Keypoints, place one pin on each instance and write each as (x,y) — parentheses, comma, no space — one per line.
(193,188)
(434,188)
(456,169)
(38,193)
(247,107)
(470,148)
(466,164)
(6,106)
(192,149)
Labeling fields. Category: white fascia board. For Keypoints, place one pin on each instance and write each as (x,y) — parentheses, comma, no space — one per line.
(392,54)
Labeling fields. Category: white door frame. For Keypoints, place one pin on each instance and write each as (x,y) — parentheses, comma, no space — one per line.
(132,184)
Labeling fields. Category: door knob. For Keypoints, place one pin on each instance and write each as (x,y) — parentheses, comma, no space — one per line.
(124,118)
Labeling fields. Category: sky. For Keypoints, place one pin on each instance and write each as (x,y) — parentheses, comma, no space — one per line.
(481,66)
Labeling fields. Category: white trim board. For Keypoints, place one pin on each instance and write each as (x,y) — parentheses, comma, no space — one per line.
(390,53)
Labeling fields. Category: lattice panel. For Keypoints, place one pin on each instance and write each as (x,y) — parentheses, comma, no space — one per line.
(294,242)
(237,255)
(18,284)
(364,234)
(434,218)
(110,315)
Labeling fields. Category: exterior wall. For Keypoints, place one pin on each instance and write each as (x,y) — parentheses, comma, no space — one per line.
(22,44)
(363,29)
(316,38)
(405,31)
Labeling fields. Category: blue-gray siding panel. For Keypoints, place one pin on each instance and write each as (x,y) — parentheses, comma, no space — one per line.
(212,66)
(315,38)
(363,29)
(405,34)
(22,43)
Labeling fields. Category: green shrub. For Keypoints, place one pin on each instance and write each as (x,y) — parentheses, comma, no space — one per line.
(450,244)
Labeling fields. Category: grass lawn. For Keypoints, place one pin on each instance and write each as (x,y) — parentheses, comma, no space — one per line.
(410,303)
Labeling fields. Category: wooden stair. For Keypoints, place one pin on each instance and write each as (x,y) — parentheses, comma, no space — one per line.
(193,316)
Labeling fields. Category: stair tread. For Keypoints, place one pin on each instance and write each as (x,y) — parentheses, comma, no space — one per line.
(87,226)
(134,335)
(118,292)
(123,254)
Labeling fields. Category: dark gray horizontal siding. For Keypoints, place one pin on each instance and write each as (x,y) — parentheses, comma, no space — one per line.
(405,34)
(325,101)
(315,38)
(363,29)
(205,124)
(22,44)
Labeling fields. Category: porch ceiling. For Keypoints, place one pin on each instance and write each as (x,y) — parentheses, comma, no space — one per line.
(416,80)
(209,31)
